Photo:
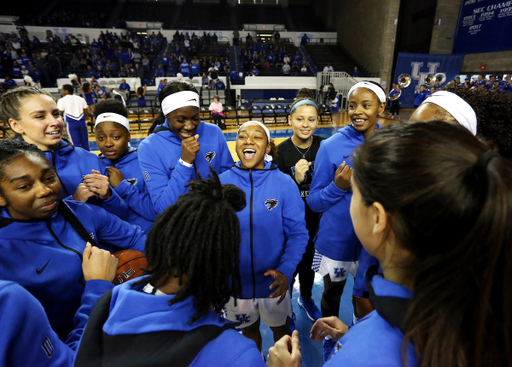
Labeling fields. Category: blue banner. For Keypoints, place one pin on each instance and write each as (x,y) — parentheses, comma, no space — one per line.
(418,66)
(484,26)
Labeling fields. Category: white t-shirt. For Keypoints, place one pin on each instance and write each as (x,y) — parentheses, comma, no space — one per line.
(73,106)
(328,69)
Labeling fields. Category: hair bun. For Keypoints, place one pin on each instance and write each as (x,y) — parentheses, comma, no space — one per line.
(305,93)
(234,196)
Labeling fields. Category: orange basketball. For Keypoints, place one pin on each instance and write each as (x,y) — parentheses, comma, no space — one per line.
(130,264)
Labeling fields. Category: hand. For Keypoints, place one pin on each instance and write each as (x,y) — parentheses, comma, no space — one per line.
(281,282)
(328,326)
(98,183)
(115,176)
(301,168)
(98,264)
(82,193)
(342,176)
(286,352)
(189,148)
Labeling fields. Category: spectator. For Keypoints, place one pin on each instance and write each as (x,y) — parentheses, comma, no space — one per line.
(91,72)
(328,68)
(16,71)
(194,69)
(304,40)
(205,81)
(248,38)
(286,59)
(184,67)
(213,72)
(277,37)
(236,37)
(330,95)
(122,72)
(24,71)
(355,72)
(216,110)
(255,70)
(124,88)
(304,70)
(162,84)
(9,83)
(286,68)
(159,73)
(101,93)
(145,63)
(136,58)
(219,85)
(165,62)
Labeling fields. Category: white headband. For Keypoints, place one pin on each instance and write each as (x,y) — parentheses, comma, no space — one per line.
(455,106)
(114,117)
(374,88)
(268,158)
(178,100)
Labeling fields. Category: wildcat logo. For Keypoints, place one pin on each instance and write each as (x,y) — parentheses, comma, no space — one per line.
(243,318)
(339,272)
(209,156)
(133,181)
(271,204)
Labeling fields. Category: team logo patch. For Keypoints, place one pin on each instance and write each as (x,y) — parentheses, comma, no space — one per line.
(209,156)
(271,204)
(133,181)
(243,318)
(339,272)
(146,176)
(92,235)
(48,347)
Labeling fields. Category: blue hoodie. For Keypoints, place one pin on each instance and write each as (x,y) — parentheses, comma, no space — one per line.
(27,337)
(153,314)
(45,256)
(373,341)
(165,177)
(133,190)
(72,164)
(336,237)
(272,226)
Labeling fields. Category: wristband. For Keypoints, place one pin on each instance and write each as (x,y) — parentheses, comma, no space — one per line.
(185,163)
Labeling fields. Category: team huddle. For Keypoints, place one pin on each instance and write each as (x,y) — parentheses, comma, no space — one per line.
(418,213)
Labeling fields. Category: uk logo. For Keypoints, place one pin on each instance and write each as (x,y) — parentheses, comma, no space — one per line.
(48,347)
(271,204)
(243,318)
(417,74)
(209,156)
(146,175)
(339,272)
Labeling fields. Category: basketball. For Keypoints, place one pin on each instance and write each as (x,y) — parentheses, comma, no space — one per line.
(130,265)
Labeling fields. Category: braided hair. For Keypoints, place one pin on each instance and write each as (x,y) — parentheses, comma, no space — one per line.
(13,149)
(170,88)
(199,237)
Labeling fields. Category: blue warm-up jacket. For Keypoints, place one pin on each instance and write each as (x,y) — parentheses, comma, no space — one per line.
(165,177)
(153,314)
(336,237)
(272,225)
(133,189)
(72,164)
(45,256)
(373,341)
(27,337)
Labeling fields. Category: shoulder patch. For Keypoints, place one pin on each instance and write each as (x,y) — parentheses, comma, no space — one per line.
(132,181)
(271,204)
(146,176)
(209,156)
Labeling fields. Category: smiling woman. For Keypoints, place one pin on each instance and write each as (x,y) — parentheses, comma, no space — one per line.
(179,145)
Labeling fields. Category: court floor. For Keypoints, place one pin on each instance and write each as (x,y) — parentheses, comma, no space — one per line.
(311,351)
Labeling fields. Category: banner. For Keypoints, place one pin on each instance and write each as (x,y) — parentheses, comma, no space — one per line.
(418,66)
(484,26)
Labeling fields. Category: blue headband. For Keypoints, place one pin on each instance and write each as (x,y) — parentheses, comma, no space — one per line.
(303,102)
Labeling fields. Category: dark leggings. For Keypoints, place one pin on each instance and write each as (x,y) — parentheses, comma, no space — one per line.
(217,119)
(306,274)
(332,296)
(395,108)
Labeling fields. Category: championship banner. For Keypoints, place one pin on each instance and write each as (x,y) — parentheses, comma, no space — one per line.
(419,66)
(484,26)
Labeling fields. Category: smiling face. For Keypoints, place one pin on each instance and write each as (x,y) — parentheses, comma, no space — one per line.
(363,109)
(112,139)
(30,188)
(40,122)
(251,146)
(304,121)
(184,121)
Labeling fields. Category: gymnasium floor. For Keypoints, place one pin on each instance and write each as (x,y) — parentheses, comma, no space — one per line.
(311,352)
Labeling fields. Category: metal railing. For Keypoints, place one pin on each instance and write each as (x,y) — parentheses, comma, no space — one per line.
(322,40)
(340,80)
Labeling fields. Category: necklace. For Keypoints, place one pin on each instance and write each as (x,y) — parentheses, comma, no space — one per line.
(300,152)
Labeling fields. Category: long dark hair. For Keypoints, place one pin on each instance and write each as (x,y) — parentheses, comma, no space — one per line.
(449,201)
(170,88)
(199,237)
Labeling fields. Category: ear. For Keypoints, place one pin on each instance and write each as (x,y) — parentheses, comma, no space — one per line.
(15,126)
(382,107)
(3,202)
(380,219)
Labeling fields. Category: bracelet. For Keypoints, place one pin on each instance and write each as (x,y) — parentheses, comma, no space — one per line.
(185,163)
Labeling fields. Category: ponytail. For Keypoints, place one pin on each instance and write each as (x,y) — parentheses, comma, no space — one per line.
(450,206)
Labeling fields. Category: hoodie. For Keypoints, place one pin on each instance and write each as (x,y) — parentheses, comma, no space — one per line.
(153,314)
(133,190)
(272,226)
(45,256)
(27,337)
(165,177)
(72,164)
(336,237)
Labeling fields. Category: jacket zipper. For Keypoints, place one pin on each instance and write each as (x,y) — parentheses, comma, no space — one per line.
(252,250)
(60,243)
(61,183)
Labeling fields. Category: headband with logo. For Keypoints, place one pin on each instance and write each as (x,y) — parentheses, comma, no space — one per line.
(178,100)
(114,117)
(374,88)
